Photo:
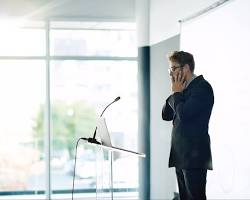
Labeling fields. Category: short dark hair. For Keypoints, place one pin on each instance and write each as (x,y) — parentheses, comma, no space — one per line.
(182,58)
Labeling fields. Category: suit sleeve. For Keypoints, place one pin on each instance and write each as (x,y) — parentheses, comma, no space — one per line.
(201,99)
(167,111)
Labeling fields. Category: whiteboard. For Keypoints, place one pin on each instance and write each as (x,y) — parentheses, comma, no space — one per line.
(220,43)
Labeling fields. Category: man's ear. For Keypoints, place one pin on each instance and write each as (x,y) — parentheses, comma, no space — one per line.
(186,68)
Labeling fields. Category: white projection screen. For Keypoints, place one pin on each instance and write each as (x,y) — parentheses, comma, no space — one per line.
(220,43)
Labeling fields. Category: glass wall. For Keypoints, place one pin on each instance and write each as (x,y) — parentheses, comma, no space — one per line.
(90,64)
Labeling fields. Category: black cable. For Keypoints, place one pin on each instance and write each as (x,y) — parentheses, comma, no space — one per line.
(75,166)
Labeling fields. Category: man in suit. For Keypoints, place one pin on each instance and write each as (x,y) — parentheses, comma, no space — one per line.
(189,108)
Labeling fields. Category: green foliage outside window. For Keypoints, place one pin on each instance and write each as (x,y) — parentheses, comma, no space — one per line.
(68,123)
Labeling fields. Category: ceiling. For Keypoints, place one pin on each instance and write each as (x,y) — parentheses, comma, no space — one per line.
(46,9)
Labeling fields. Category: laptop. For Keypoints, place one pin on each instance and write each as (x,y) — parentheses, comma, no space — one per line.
(102,132)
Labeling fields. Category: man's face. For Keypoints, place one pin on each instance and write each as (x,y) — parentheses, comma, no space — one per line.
(175,68)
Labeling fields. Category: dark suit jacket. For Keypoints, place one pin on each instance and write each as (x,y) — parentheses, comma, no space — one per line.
(190,111)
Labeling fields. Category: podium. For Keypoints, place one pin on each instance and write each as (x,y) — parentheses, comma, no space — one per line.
(105,162)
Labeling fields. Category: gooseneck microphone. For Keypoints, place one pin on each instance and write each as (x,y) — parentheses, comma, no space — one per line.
(93,140)
(116,99)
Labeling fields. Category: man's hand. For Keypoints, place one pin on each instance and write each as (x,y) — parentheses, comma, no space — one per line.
(178,82)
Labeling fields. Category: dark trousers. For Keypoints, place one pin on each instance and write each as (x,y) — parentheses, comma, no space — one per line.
(192,183)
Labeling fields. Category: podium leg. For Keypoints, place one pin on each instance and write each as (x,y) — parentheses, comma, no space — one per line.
(111,174)
(99,173)
(104,174)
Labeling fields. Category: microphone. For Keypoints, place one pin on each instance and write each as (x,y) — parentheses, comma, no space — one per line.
(116,99)
(93,140)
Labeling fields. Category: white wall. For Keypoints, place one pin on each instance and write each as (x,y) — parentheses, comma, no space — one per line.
(221,59)
(142,21)
(163,181)
(164,37)
(164,16)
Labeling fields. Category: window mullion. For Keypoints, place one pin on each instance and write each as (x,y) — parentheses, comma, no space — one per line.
(47,117)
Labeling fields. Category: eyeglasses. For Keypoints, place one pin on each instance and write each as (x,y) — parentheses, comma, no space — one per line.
(172,69)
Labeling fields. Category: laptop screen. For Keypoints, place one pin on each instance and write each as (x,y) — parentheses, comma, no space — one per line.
(102,132)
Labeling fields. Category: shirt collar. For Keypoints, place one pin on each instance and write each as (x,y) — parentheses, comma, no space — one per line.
(193,77)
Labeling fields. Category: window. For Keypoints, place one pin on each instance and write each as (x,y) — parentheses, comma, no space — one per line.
(90,64)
